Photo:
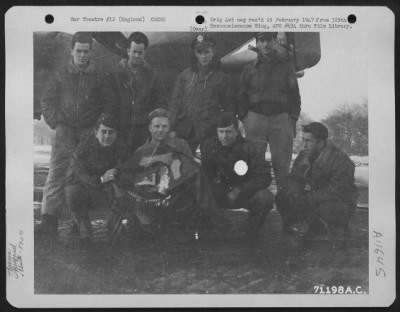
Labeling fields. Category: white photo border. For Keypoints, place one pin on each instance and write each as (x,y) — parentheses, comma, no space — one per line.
(22,22)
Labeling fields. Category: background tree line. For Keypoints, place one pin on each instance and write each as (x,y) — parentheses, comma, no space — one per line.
(348,129)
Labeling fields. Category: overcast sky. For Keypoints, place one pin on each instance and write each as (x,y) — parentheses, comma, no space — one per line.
(339,77)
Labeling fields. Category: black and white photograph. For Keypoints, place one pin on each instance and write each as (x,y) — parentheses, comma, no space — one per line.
(226,156)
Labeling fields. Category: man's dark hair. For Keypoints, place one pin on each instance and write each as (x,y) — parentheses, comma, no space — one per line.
(82,37)
(158,112)
(266,35)
(108,121)
(227,119)
(317,129)
(138,38)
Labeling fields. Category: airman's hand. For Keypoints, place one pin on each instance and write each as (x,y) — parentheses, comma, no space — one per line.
(109,175)
(234,194)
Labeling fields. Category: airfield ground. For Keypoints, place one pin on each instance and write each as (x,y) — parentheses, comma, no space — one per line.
(277,265)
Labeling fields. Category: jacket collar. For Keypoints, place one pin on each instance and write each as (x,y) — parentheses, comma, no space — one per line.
(170,143)
(323,156)
(124,64)
(215,65)
(275,58)
(97,148)
(167,142)
(73,69)
(304,164)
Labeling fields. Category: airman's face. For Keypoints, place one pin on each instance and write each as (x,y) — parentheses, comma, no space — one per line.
(106,136)
(265,46)
(311,145)
(136,53)
(159,128)
(81,54)
(227,135)
(205,55)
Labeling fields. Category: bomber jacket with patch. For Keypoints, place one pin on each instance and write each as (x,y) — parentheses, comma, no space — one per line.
(218,163)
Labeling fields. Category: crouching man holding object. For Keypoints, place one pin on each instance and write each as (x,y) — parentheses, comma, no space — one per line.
(319,192)
(239,173)
(161,187)
(92,167)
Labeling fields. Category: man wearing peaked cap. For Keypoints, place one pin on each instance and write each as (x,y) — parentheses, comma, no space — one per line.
(202,42)
(200,94)
(324,174)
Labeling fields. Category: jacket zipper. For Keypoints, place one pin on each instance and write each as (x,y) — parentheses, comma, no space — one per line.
(131,83)
(205,81)
(77,97)
(191,87)
(189,94)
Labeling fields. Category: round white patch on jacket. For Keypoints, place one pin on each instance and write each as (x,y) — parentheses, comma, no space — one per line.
(240,167)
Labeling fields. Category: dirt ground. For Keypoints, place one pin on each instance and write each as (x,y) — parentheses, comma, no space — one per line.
(278,264)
